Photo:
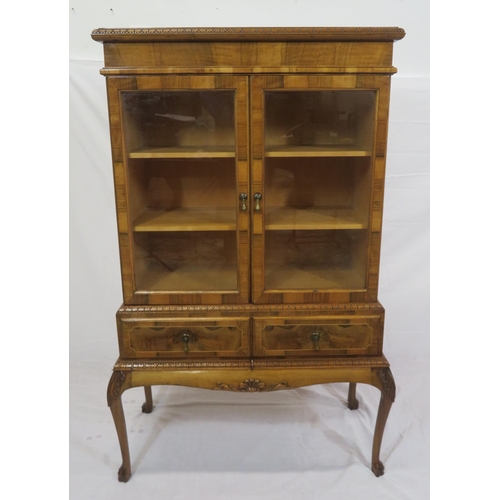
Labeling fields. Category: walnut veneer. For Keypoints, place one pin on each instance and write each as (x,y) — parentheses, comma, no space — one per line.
(249,168)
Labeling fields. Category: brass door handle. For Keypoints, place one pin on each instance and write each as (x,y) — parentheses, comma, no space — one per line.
(257,198)
(315,336)
(243,199)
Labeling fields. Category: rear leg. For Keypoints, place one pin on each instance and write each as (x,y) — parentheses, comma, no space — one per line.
(352,402)
(147,407)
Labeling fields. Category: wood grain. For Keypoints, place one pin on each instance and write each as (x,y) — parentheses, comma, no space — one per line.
(322,336)
(186,338)
(233,298)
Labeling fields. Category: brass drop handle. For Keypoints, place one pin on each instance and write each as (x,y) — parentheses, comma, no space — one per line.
(257,198)
(186,338)
(243,199)
(315,339)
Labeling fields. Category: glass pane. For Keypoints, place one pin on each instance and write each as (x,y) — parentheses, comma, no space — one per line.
(341,119)
(180,157)
(317,184)
(317,193)
(315,260)
(179,119)
(194,261)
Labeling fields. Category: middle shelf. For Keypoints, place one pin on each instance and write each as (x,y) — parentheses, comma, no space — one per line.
(179,152)
(316,151)
(317,218)
(224,219)
(186,219)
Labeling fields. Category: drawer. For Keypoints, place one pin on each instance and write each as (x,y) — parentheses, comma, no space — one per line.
(201,337)
(325,336)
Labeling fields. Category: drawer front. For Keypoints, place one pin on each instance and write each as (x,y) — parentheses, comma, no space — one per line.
(318,336)
(183,338)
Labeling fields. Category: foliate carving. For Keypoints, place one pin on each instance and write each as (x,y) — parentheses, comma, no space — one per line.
(251,385)
(348,306)
(388,384)
(115,385)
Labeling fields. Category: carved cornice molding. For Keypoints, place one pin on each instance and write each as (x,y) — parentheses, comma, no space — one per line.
(248,34)
(242,308)
(251,385)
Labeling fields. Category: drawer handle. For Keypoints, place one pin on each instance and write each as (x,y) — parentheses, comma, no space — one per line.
(186,338)
(315,339)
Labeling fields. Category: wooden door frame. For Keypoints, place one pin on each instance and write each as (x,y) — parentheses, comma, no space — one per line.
(115,86)
(259,84)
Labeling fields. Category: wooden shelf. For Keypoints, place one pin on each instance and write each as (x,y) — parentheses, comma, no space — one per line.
(186,219)
(314,151)
(191,278)
(185,152)
(312,277)
(316,218)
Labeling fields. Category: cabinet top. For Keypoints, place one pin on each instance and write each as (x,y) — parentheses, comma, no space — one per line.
(247,34)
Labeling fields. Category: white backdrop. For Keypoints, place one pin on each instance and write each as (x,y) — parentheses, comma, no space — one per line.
(296,444)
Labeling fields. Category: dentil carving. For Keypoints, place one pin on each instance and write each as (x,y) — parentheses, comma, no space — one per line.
(349,306)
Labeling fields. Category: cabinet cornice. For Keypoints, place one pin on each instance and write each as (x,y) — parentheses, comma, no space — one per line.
(302,34)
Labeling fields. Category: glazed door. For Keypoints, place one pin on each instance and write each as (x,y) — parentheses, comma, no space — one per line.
(180,162)
(317,186)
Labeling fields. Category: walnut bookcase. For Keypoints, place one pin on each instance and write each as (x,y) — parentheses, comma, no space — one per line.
(249,168)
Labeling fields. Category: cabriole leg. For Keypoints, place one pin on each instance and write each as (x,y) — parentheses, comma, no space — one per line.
(388,395)
(147,407)
(115,390)
(352,402)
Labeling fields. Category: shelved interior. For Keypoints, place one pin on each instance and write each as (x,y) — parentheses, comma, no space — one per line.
(181,183)
(183,213)
(182,194)
(317,193)
(317,182)
(183,199)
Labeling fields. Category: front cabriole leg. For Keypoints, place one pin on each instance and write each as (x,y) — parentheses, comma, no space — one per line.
(120,381)
(387,387)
